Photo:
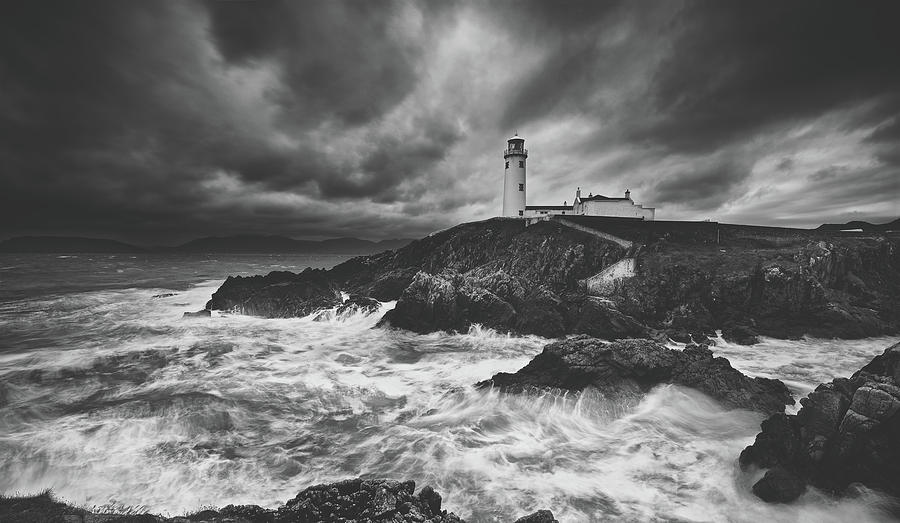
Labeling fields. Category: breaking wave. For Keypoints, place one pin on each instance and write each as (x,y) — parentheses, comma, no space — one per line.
(109,397)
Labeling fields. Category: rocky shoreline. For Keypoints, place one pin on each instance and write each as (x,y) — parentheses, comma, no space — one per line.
(847,432)
(645,283)
(682,280)
(350,501)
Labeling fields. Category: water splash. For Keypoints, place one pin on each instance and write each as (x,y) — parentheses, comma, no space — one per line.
(109,397)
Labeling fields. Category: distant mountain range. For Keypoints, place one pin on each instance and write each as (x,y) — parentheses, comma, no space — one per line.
(279,244)
(864,226)
(247,244)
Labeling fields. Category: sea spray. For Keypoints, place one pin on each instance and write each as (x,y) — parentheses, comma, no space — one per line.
(108,396)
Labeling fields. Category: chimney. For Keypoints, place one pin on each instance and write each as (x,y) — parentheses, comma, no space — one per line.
(628,194)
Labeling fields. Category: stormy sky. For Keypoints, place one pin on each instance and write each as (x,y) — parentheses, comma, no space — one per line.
(164,121)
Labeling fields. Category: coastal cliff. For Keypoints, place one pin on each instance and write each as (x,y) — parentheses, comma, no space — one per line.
(683,280)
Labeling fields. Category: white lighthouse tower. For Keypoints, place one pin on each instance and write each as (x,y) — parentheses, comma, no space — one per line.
(514,177)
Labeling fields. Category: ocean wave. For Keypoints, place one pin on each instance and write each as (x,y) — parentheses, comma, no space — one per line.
(110,397)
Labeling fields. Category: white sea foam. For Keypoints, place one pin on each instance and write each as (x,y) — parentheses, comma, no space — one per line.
(132,404)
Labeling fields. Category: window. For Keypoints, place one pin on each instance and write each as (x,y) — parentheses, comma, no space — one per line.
(507,165)
(520,213)
(522,164)
(521,186)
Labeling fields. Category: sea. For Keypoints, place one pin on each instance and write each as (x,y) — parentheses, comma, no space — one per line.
(115,402)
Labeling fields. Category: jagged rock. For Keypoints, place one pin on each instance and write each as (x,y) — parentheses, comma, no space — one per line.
(846,431)
(630,366)
(681,336)
(431,498)
(277,295)
(350,501)
(365,500)
(356,303)
(599,318)
(740,334)
(541,516)
(428,304)
(779,486)
(205,313)
(448,302)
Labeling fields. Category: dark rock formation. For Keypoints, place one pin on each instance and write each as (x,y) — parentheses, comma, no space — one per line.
(783,283)
(779,486)
(541,516)
(740,334)
(204,313)
(365,500)
(356,303)
(847,431)
(690,280)
(631,366)
(279,294)
(350,501)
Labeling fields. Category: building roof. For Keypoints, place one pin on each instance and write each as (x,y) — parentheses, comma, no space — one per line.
(548,207)
(598,197)
(516,137)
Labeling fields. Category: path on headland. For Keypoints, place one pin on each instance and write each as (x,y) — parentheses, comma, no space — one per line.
(589,230)
(604,282)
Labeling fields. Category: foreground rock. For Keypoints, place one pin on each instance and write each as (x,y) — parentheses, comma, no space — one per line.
(633,366)
(847,431)
(366,500)
(351,501)
(688,281)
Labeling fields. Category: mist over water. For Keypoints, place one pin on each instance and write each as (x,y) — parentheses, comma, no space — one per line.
(109,397)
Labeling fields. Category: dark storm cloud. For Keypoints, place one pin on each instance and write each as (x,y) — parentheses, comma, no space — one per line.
(164,120)
(117,113)
(886,137)
(701,187)
(340,60)
(730,67)
(738,66)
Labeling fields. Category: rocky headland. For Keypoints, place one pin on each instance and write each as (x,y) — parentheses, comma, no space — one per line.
(611,279)
(643,283)
(351,501)
(847,432)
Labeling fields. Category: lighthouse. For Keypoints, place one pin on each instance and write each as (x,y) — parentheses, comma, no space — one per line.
(514,177)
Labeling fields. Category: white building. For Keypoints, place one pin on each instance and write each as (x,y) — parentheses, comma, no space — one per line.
(591,205)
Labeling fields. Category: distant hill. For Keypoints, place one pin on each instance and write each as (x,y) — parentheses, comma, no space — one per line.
(64,244)
(865,226)
(280,244)
(256,244)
